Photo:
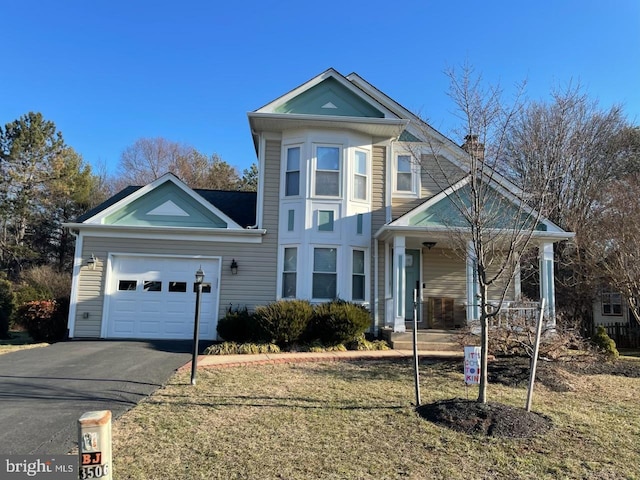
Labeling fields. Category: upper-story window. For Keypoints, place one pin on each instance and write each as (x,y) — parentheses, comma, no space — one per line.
(327,171)
(360,176)
(404,175)
(292,176)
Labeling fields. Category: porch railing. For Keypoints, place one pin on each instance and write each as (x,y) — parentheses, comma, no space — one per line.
(515,313)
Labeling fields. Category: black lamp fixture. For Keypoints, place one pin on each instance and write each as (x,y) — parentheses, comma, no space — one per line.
(199,275)
(429,245)
(234,267)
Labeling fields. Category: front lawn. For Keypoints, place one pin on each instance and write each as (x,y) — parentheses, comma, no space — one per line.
(344,420)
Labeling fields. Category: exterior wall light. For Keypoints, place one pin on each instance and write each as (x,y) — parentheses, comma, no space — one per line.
(234,267)
(429,245)
(91,262)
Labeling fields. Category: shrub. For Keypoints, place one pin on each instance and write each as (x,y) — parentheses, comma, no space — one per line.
(283,322)
(238,326)
(7,305)
(47,279)
(45,320)
(233,348)
(605,344)
(361,343)
(339,322)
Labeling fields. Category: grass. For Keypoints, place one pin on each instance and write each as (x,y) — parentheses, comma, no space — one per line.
(19,341)
(355,420)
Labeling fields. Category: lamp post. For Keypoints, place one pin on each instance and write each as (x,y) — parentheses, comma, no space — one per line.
(196,325)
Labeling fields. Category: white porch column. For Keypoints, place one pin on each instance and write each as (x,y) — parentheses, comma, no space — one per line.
(517,283)
(473,287)
(547,282)
(398,284)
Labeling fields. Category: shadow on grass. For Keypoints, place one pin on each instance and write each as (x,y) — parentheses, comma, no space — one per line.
(384,370)
(275,402)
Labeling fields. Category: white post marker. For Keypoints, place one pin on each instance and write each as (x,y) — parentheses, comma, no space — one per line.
(472,360)
(94,445)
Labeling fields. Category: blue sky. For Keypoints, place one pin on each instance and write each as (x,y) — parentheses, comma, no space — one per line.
(110,72)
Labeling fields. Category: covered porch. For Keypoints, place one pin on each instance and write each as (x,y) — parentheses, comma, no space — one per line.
(444,273)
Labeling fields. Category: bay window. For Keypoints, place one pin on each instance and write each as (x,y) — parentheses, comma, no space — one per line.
(325,273)
(327,172)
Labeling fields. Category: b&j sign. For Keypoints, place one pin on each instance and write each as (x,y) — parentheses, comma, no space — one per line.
(472,365)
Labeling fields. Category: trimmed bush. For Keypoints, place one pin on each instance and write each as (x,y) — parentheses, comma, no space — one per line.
(238,326)
(233,348)
(361,343)
(339,322)
(45,320)
(605,344)
(283,322)
(7,305)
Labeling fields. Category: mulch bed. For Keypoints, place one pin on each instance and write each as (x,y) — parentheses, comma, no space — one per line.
(490,419)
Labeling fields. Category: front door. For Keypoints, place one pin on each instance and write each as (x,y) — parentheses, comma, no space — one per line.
(412,275)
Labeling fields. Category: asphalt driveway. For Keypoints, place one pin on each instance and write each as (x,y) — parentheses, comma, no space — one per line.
(43,391)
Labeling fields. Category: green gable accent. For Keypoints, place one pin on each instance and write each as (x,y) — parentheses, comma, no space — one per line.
(499,212)
(330,97)
(408,137)
(165,206)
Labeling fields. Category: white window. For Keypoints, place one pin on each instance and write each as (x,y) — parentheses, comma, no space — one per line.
(358,278)
(292,175)
(325,273)
(327,173)
(360,176)
(325,220)
(611,303)
(404,174)
(289,272)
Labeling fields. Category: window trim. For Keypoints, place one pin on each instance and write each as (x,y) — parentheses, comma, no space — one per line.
(283,271)
(415,175)
(609,294)
(365,175)
(315,168)
(286,170)
(363,274)
(334,273)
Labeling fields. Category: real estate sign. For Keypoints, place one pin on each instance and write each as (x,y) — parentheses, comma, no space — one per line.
(471,365)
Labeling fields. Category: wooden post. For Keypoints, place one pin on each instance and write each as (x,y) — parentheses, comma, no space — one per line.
(534,360)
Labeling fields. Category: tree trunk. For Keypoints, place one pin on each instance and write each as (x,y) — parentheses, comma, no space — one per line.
(484,344)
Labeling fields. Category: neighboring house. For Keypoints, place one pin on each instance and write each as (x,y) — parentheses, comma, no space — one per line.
(612,307)
(341,212)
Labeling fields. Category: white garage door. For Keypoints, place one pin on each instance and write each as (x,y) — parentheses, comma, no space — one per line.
(154,297)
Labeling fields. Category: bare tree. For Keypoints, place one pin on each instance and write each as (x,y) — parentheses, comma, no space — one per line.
(612,231)
(150,158)
(565,152)
(493,223)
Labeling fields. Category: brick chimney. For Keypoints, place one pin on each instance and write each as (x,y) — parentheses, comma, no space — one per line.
(473,147)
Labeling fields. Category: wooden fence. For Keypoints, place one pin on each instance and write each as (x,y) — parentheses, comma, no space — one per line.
(624,334)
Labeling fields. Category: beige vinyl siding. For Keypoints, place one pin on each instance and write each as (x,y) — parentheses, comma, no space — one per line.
(445,275)
(255,266)
(272,193)
(435,176)
(378,217)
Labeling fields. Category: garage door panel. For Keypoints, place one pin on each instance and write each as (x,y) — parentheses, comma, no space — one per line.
(154,298)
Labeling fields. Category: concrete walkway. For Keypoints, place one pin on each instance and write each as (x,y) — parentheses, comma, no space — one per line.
(222,361)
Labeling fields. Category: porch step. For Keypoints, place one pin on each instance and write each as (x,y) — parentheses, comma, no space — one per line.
(429,340)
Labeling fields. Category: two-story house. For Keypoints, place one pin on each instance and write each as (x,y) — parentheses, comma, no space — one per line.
(343,210)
